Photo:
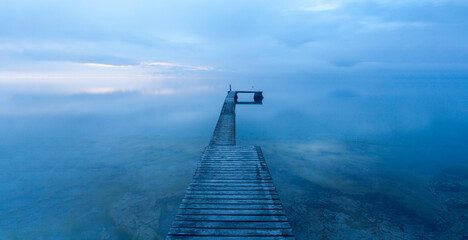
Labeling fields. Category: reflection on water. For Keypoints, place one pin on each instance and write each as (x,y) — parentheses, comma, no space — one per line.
(374,162)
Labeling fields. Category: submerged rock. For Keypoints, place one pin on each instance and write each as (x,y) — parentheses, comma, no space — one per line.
(142,217)
(450,188)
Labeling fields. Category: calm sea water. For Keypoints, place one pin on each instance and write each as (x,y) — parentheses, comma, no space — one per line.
(376,157)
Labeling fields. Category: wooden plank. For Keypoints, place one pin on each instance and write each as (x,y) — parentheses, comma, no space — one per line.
(240,169)
(230,201)
(237,161)
(231,197)
(236,164)
(233,218)
(224,168)
(176,237)
(257,184)
(237,172)
(237,178)
(230,212)
(235,192)
(215,225)
(232,181)
(231,232)
(230,176)
(233,158)
(254,188)
(231,206)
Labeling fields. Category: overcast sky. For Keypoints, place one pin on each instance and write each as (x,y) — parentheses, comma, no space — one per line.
(104,46)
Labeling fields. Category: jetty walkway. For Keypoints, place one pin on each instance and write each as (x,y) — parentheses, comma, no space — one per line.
(231,195)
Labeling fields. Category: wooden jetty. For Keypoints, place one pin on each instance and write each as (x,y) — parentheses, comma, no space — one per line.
(231,195)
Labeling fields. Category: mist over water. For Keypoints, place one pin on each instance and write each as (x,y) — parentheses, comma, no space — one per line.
(375,156)
(106,107)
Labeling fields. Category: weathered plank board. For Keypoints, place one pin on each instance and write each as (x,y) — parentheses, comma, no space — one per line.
(231,195)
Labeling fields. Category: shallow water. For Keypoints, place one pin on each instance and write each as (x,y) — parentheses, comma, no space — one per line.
(377,158)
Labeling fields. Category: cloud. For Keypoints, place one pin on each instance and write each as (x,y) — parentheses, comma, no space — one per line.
(345,63)
(100,78)
(100,90)
(245,39)
(103,65)
(371,25)
(167,91)
(319,6)
(176,65)
(343,94)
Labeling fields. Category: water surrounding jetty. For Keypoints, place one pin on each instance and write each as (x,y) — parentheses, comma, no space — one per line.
(351,159)
(232,194)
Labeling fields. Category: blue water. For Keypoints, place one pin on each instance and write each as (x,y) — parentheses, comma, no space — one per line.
(379,156)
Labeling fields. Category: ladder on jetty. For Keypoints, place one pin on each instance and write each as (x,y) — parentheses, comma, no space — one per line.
(231,195)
